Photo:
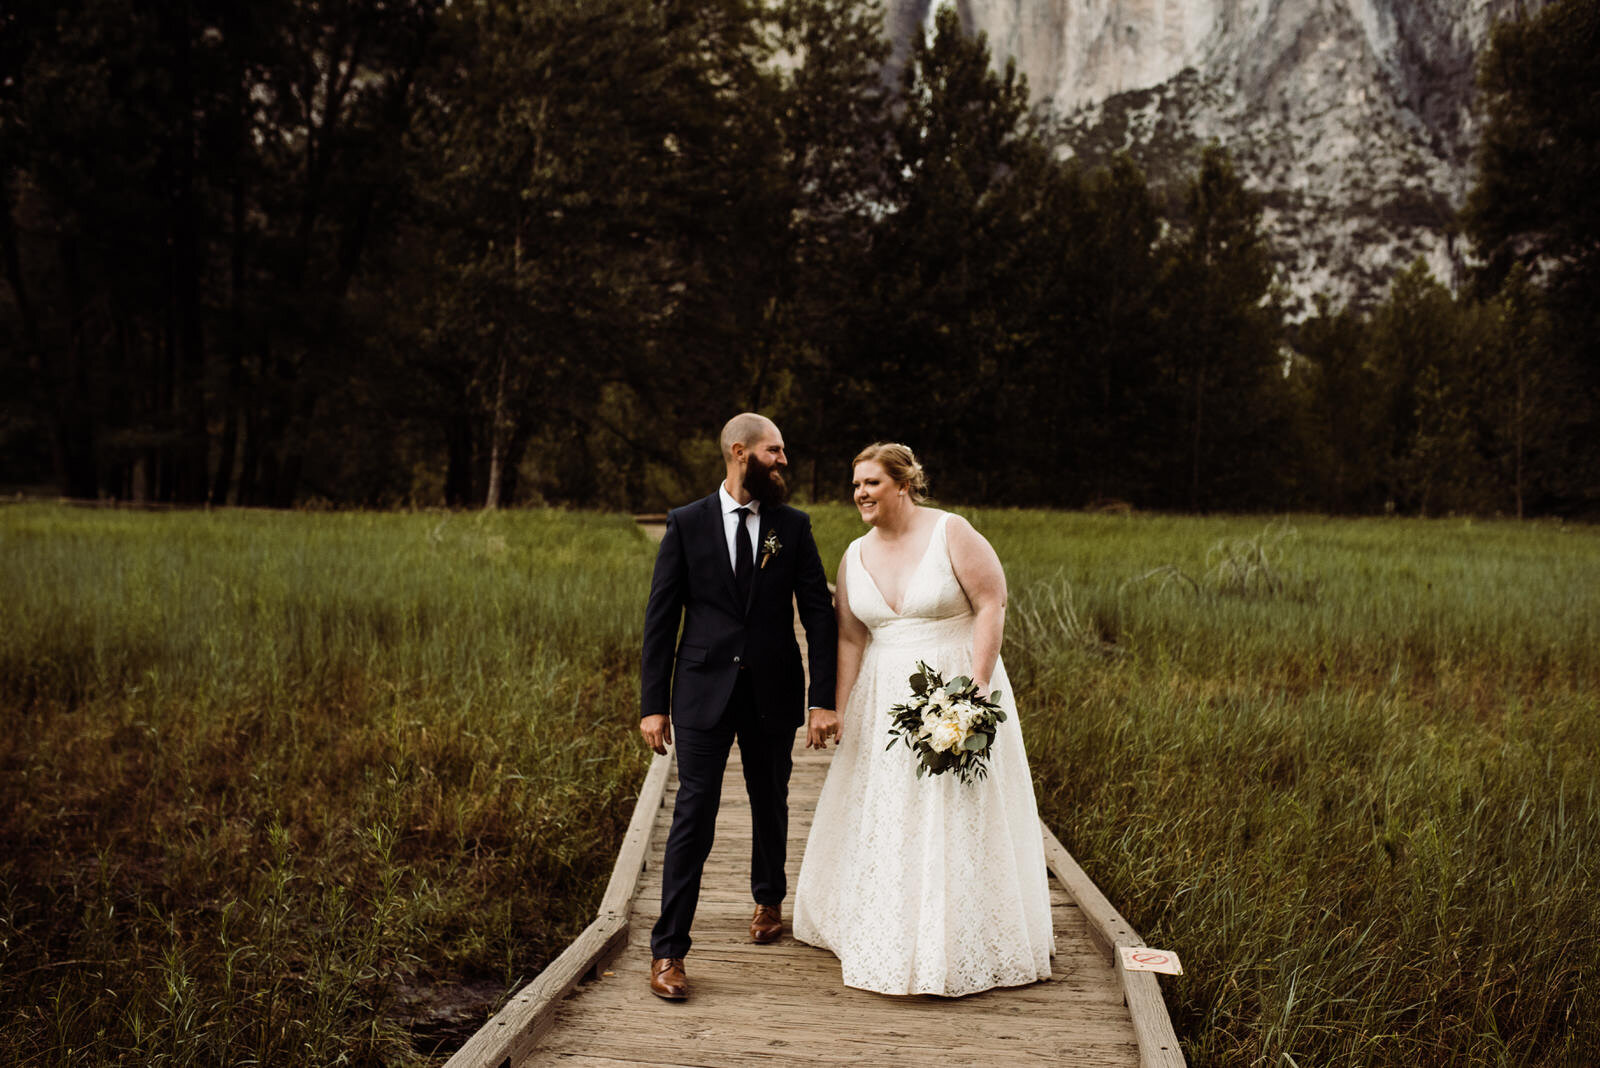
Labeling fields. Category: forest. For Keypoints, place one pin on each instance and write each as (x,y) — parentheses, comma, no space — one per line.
(409,253)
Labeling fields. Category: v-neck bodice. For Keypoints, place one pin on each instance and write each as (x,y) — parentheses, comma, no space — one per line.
(933,607)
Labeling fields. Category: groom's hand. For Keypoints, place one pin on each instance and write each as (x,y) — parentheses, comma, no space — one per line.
(657,731)
(824,725)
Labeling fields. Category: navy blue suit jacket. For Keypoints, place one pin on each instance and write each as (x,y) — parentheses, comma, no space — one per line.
(691,675)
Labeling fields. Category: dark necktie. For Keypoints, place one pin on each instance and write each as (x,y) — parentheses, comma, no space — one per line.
(744,565)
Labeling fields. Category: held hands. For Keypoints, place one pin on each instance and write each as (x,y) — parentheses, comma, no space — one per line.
(657,731)
(824,725)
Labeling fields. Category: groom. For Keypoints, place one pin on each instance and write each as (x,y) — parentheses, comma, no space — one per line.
(728,569)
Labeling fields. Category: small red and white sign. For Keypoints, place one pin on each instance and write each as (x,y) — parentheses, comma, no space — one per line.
(1145,959)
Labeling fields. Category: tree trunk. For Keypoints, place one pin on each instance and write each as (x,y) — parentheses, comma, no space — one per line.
(1519,433)
(1199,423)
(191,447)
(510,479)
(236,346)
(497,436)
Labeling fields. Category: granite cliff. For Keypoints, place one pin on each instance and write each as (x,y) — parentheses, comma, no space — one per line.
(1354,119)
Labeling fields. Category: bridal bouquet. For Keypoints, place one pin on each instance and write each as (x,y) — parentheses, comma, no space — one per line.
(947,725)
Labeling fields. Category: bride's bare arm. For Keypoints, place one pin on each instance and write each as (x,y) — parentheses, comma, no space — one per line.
(852,640)
(978,569)
(825,722)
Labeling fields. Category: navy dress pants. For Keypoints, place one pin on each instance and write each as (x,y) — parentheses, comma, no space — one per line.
(702,758)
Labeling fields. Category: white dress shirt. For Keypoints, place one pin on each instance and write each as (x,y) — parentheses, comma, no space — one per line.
(730,524)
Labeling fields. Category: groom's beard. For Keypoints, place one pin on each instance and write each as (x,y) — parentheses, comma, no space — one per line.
(765,482)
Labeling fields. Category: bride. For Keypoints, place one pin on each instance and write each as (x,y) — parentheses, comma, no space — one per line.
(920,886)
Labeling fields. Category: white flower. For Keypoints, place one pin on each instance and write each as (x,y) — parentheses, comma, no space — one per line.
(966,712)
(930,720)
(939,699)
(947,735)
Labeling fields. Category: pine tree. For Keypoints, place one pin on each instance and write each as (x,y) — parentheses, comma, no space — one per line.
(1223,365)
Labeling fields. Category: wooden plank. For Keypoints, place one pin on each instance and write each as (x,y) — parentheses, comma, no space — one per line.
(511,1034)
(1158,1043)
(710,1042)
(636,844)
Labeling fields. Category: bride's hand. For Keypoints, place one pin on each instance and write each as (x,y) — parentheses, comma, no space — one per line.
(824,725)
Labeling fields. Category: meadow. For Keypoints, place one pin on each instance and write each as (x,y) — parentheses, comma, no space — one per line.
(269,783)
(302,788)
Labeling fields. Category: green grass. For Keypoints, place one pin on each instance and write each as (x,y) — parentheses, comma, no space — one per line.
(1360,801)
(268,780)
(265,777)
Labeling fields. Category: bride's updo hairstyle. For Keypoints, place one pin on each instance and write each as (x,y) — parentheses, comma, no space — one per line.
(900,464)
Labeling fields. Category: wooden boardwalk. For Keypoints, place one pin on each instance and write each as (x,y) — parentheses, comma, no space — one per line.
(785,1002)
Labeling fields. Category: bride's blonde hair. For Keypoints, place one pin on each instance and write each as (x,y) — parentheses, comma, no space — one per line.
(900,464)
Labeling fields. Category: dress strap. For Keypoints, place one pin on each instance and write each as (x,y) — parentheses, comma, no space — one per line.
(939,532)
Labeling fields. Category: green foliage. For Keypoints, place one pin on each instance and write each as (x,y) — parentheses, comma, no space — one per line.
(269,778)
(1534,200)
(1441,403)
(581,170)
(537,251)
(1367,818)
(1222,355)
(189,192)
(1341,411)
(1534,206)
(970,718)
(273,785)
(949,265)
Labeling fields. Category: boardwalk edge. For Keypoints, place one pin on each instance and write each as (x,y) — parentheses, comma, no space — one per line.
(511,1034)
(1158,1043)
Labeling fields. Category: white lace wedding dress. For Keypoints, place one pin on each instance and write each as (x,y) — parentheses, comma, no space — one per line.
(923,886)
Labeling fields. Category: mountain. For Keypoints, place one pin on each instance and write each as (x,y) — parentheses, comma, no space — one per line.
(1353,119)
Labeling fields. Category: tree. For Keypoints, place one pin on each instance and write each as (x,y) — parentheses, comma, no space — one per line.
(835,120)
(187,182)
(602,216)
(1534,199)
(1430,354)
(1223,374)
(1529,397)
(1534,206)
(1342,410)
(939,334)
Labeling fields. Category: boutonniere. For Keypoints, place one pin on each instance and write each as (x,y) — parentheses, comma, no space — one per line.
(771,547)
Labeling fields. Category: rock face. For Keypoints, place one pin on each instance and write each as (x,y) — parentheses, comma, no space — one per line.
(1352,118)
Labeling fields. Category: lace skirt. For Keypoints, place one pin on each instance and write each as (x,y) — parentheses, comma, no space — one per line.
(924,886)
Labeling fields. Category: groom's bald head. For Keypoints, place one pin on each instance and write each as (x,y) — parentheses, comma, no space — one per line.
(746,428)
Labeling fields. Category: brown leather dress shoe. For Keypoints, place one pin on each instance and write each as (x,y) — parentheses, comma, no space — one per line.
(766,925)
(667,979)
